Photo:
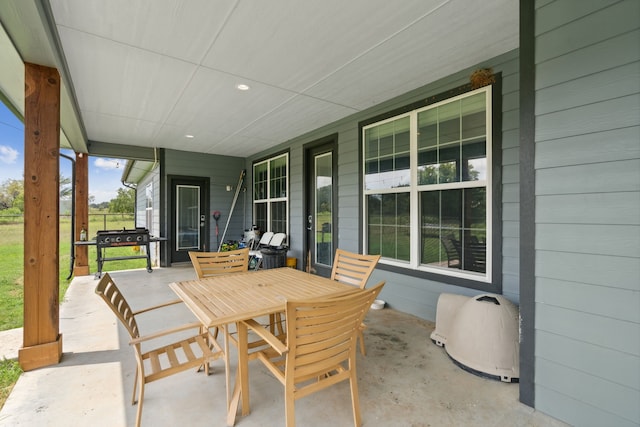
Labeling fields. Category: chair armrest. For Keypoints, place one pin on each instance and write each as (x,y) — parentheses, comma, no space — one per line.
(267,336)
(165,304)
(165,332)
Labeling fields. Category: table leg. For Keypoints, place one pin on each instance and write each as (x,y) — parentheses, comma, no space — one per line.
(243,365)
(227,367)
(241,386)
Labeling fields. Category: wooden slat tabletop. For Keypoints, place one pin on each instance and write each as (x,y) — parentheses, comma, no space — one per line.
(225,299)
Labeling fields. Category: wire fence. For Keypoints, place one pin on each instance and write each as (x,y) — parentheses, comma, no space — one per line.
(97,221)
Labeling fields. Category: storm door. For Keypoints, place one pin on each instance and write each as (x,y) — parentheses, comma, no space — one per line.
(321,212)
(189,222)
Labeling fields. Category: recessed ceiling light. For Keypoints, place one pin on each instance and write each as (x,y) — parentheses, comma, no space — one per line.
(242,86)
(189,136)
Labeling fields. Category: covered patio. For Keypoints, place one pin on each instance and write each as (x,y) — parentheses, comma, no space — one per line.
(292,95)
(404,380)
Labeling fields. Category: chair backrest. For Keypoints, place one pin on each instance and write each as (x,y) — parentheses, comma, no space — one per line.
(322,333)
(452,251)
(208,264)
(352,268)
(278,239)
(265,238)
(110,293)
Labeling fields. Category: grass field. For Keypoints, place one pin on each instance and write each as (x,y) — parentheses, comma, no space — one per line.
(9,373)
(12,274)
(12,266)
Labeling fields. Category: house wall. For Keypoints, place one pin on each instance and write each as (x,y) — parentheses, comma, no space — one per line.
(414,295)
(153,177)
(587,239)
(222,171)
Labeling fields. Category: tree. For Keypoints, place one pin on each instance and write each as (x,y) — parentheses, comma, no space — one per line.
(65,188)
(124,201)
(12,194)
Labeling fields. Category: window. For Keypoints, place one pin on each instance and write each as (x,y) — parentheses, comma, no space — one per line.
(427,187)
(270,194)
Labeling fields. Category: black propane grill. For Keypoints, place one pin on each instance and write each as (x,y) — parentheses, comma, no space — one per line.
(117,238)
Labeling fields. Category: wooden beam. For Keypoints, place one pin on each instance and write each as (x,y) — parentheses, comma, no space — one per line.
(81,264)
(42,342)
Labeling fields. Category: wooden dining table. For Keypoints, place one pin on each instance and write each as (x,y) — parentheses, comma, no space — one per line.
(223,300)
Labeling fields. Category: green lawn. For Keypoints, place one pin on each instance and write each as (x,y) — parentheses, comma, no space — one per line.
(12,269)
(9,373)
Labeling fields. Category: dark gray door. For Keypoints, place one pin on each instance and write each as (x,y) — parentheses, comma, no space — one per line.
(189,220)
(321,210)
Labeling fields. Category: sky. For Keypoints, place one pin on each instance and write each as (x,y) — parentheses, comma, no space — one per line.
(104,174)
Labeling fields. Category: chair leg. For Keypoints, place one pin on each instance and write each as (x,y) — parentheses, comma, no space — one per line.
(355,399)
(290,410)
(140,400)
(275,322)
(361,339)
(135,385)
(280,323)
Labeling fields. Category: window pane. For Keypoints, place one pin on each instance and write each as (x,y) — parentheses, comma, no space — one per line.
(278,177)
(279,217)
(374,219)
(387,152)
(428,167)
(389,225)
(449,122)
(453,229)
(448,167)
(260,181)
(371,143)
(474,116)
(323,192)
(260,216)
(451,209)
(372,167)
(476,207)
(187,217)
(474,160)
(385,133)
(428,128)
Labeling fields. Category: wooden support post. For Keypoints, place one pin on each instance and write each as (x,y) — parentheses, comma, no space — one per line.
(42,342)
(81,265)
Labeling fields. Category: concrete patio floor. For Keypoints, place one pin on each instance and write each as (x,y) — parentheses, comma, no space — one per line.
(405,379)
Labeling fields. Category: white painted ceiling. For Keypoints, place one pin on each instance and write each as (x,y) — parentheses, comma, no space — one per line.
(149,72)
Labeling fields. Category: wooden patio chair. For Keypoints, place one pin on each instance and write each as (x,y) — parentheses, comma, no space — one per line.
(208,264)
(320,347)
(354,269)
(168,359)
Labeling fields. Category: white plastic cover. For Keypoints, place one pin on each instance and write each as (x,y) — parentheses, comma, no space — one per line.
(480,334)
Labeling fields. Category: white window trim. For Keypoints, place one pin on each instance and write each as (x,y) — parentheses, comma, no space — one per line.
(268,200)
(414,191)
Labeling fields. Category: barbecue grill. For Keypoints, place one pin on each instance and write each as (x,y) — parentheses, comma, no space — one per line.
(117,238)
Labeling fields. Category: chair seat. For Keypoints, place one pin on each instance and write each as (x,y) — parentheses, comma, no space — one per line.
(190,353)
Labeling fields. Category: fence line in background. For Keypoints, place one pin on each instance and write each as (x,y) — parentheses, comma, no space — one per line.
(94,218)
